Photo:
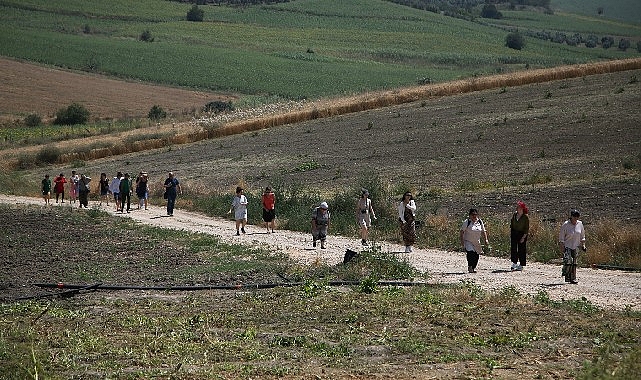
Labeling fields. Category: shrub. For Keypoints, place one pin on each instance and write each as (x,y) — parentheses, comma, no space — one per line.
(218,106)
(607,42)
(195,14)
(490,11)
(156,113)
(33,120)
(48,154)
(624,44)
(73,114)
(515,41)
(146,36)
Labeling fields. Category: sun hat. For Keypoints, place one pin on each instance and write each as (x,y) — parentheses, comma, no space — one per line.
(324,205)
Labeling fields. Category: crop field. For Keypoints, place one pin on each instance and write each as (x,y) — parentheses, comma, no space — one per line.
(370,45)
(557,145)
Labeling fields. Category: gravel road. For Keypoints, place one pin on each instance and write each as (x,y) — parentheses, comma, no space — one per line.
(605,288)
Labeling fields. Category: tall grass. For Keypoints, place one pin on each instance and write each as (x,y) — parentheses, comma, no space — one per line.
(610,242)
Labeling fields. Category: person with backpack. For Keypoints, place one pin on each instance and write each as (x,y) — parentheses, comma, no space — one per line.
(472,230)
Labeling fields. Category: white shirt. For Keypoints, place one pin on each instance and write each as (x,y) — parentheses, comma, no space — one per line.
(572,235)
(401,209)
(114,186)
(240,207)
(472,235)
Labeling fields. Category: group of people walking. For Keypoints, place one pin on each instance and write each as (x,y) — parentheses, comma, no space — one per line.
(472,230)
(120,188)
(78,188)
(571,237)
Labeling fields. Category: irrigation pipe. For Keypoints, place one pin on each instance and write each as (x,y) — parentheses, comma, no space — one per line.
(77,287)
(614,267)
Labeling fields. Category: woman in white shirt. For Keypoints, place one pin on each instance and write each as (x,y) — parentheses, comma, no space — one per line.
(471,231)
(407,218)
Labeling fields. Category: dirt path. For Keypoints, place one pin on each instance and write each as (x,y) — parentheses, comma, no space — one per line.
(605,288)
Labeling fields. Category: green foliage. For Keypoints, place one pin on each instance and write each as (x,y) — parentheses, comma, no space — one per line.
(515,41)
(218,106)
(74,114)
(385,49)
(490,11)
(624,44)
(48,154)
(156,113)
(32,120)
(195,14)
(146,36)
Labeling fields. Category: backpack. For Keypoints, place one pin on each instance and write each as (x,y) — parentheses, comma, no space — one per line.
(469,221)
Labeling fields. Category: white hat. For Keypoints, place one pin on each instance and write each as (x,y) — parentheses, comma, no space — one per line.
(324,205)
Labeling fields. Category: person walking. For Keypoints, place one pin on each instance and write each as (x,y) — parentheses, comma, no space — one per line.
(114,188)
(571,237)
(73,186)
(364,215)
(320,224)
(172,187)
(269,208)
(519,230)
(125,193)
(104,188)
(472,230)
(142,191)
(46,189)
(59,187)
(83,191)
(407,220)
(239,207)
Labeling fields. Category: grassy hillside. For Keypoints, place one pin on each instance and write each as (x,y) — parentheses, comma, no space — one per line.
(300,49)
(628,11)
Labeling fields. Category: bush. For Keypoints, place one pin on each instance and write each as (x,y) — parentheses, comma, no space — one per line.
(218,106)
(490,11)
(639,46)
(515,41)
(195,14)
(73,114)
(146,36)
(624,44)
(33,120)
(607,42)
(48,155)
(156,113)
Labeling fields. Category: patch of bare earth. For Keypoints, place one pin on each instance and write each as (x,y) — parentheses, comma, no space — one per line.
(28,88)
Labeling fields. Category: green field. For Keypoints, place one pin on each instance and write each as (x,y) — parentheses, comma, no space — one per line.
(348,47)
(628,11)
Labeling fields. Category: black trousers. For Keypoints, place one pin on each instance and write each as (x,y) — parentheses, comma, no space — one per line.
(472,259)
(518,250)
(124,197)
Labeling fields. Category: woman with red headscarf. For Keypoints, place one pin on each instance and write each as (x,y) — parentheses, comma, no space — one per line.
(519,229)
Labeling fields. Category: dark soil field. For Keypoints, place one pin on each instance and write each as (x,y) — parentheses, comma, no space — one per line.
(558,145)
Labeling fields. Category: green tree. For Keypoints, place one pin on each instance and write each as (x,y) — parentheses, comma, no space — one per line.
(156,113)
(195,14)
(490,11)
(515,41)
(74,114)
